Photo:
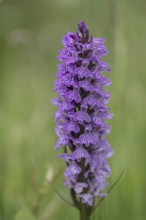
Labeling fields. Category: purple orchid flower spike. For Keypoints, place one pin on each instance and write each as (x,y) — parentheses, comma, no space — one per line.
(81,117)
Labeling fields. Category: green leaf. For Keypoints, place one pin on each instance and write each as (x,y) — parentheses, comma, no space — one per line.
(24,214)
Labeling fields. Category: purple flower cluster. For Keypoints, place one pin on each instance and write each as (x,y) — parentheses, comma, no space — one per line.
(82,114)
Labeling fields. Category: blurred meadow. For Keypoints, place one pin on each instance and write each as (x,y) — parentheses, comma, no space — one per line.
(30,37)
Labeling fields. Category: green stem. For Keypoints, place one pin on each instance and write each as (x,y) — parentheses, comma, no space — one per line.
(84,214)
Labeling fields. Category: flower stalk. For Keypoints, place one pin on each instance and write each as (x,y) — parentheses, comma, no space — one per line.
(84,214)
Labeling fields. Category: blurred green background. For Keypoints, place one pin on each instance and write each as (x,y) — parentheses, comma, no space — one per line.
(30,36)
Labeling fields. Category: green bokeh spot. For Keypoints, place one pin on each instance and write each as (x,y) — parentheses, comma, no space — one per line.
(24,214)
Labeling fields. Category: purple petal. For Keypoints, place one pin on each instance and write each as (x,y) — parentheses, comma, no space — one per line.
(80,153)
(79,187)
(87,198)
(72,169)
